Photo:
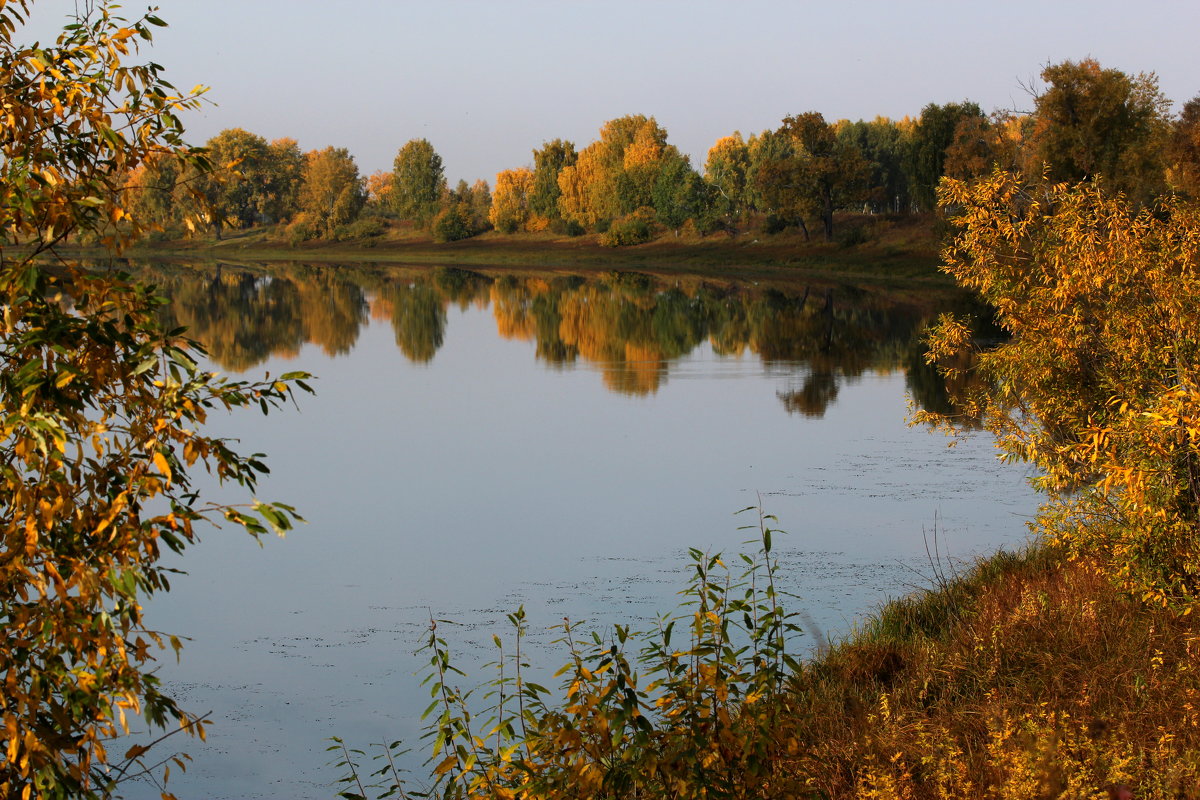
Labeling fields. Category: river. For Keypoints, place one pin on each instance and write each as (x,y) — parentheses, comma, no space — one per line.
(480,442)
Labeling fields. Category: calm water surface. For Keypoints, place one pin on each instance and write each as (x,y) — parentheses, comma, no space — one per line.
(481,443)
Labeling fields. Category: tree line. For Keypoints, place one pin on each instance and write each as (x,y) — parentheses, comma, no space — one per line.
(1088,122)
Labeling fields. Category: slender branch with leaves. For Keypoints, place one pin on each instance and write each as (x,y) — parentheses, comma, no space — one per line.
(101,412)
(636,714)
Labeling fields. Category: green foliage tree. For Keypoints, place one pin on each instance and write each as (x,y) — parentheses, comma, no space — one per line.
(418,181)
(836,166)
(151,190)
(548,162)
(1099,385)
(885,146)
(481,203)
(679,193)
(818,173)
(99,411)
(452,223)
(1183,151)
(238,186)
(932,136)
(1100,123)
(768,183)
(285,175)
(781,186)
(726,169)
(418,319)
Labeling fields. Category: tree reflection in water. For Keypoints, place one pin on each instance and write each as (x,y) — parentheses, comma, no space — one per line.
(632,327)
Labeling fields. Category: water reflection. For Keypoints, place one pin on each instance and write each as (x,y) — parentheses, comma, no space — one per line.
(480,479)
(631,327)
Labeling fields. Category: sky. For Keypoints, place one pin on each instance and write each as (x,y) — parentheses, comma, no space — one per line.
(487,82)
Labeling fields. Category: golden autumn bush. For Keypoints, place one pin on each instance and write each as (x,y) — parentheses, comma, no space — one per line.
(1097,386)
(100,411)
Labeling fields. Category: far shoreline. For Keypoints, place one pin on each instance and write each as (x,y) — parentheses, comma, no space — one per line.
(904,250)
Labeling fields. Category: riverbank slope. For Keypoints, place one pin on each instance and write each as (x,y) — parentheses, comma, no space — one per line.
(903,247)
(1027,676)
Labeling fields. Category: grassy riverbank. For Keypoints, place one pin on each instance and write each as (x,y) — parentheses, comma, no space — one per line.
(880,247)
(1027,676)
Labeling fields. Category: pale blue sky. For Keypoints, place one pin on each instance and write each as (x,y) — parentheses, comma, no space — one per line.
(486,82)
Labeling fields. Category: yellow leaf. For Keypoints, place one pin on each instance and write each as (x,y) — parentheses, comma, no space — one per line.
(160,461)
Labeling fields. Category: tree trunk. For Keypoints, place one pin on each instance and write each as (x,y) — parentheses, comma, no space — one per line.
(827,215)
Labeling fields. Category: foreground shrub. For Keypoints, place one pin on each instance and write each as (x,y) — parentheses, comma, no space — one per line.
(1026,675)
(688,710)
(303,228)
(364,228)
(101,415)
(631,229)
(568,227)
(452,224)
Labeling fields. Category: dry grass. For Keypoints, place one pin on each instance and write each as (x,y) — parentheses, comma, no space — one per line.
(1028,678)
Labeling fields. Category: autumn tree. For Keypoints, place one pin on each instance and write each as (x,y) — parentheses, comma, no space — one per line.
(101,411)
(973,151)
(1099,384)
(331,192)
(285,174)
(822,173)
(584,194)
(726,169)
(615,175)
(510,209)
(418,181)
(1100,123)
(378,188)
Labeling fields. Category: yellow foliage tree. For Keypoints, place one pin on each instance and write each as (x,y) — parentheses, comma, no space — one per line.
(584,187)
(1099,385)
(510,200)
(615,175)
(378,187)
(99,410)
(331,191)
